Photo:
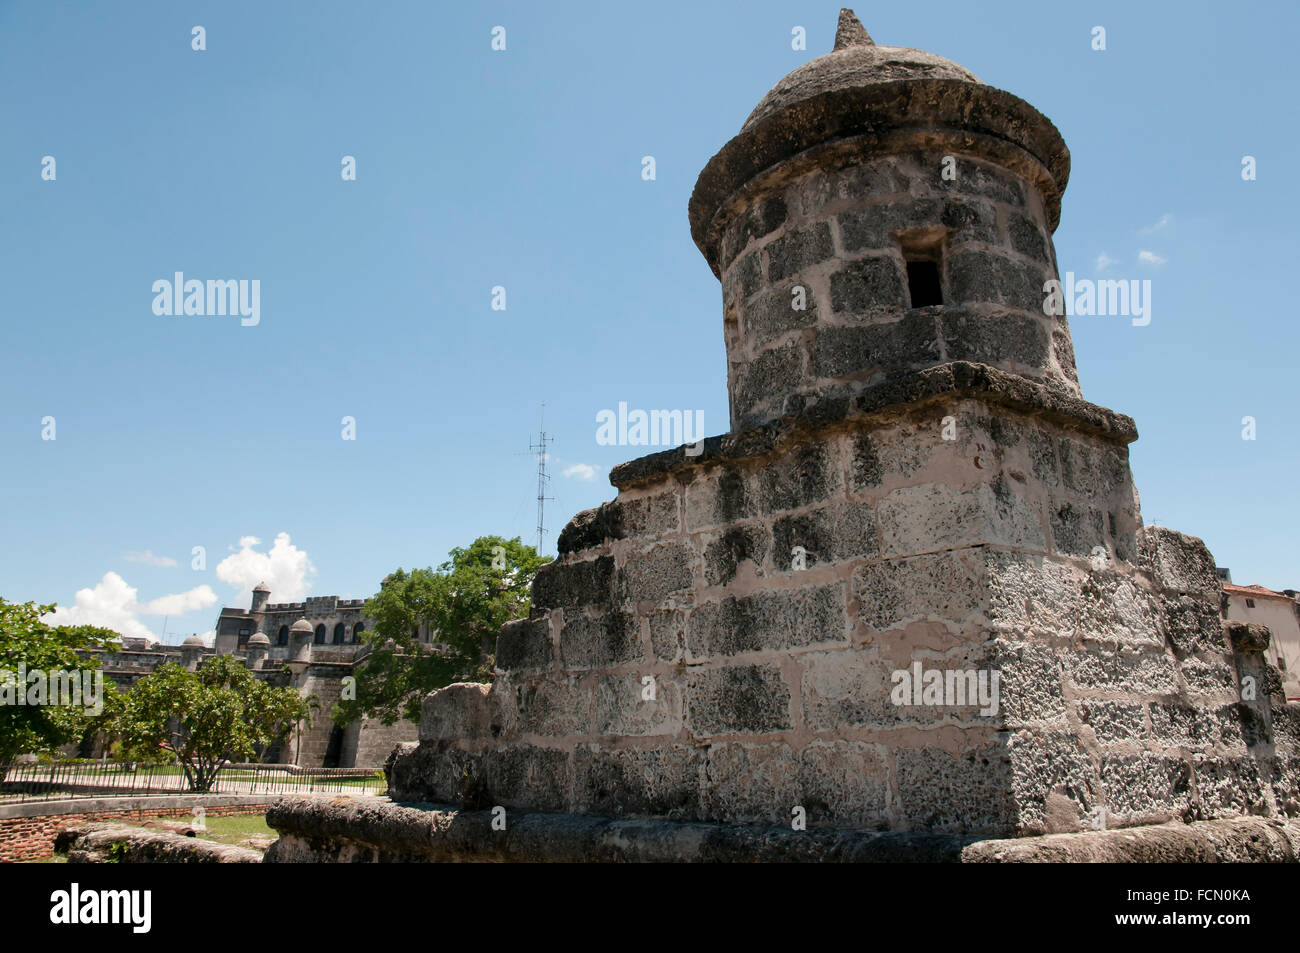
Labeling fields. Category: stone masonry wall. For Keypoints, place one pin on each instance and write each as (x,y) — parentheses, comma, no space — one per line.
(836,233)
(1016,546)
(368,742)
(26,839)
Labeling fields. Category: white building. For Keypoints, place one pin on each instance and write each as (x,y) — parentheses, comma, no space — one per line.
(1280,611)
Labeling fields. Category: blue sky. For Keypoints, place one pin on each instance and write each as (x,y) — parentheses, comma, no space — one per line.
(522,169)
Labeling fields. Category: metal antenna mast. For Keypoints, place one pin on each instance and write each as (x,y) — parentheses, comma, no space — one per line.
(543,479)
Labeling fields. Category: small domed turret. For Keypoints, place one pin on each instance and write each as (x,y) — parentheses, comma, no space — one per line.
(261,594)
(882,212)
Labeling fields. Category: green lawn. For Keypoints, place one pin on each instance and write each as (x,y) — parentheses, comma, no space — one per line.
(233,828)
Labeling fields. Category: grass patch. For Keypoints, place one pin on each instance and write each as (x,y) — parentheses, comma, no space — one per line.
(233,828)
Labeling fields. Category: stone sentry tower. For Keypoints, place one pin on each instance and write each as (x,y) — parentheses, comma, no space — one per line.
(912,498)
(882,211)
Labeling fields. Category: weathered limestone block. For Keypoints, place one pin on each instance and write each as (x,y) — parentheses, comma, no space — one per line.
(1114,721)
(464,710)
(767,622)
(770,316)
(947,792)
(846,689)
(624,709)
(668,634)
(1034,596)
(1046,761)
(728,551)
(525,645)
(1105,670)
(947,586)
(651,575)
(596,641)
(1192,625)
(519,776)
(935,516)
(661,781)
(552,707)
(748,699)
(1145,788)
(844,784)
(752,782)
(1180,563)
(1213,678)
(1229,787)
(798,249)
(1032,683)
(1115,608)
(569,583)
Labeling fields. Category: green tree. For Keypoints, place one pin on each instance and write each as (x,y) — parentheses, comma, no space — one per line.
(202,719)
(29,643)
(465,601)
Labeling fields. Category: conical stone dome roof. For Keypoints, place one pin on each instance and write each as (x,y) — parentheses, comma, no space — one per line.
(856,61)
(875,100)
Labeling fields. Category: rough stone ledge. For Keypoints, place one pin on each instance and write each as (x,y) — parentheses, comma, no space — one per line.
(954,380)
(1237,840)
(113,843)
(317,830)
(350,829)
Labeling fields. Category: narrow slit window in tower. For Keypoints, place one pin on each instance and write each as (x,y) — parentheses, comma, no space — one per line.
(923,283)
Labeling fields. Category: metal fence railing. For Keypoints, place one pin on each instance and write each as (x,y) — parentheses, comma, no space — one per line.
(32,781)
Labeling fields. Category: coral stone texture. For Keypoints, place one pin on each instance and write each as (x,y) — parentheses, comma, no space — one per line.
(911,496)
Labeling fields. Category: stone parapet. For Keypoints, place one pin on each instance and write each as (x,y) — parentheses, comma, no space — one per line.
(376,831)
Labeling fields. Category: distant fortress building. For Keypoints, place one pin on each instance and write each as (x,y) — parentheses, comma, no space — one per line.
(335,622)
(310,646)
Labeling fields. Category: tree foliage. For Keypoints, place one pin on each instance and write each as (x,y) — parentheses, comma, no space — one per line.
(28,643)
(221,712)
(466,601)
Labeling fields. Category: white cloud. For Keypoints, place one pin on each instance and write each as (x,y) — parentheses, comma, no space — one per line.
(200,597)
(581,471)
(284,568)
(1151,258)
(114,605)
(148,558)
(1162,223)
(1104,261)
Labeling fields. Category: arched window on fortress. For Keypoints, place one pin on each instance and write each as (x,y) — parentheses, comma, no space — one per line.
(283,637)
(340,633)
(357,630)
(320,634)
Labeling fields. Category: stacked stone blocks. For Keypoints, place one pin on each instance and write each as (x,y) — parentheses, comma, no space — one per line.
(815,289)
(1015,547)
